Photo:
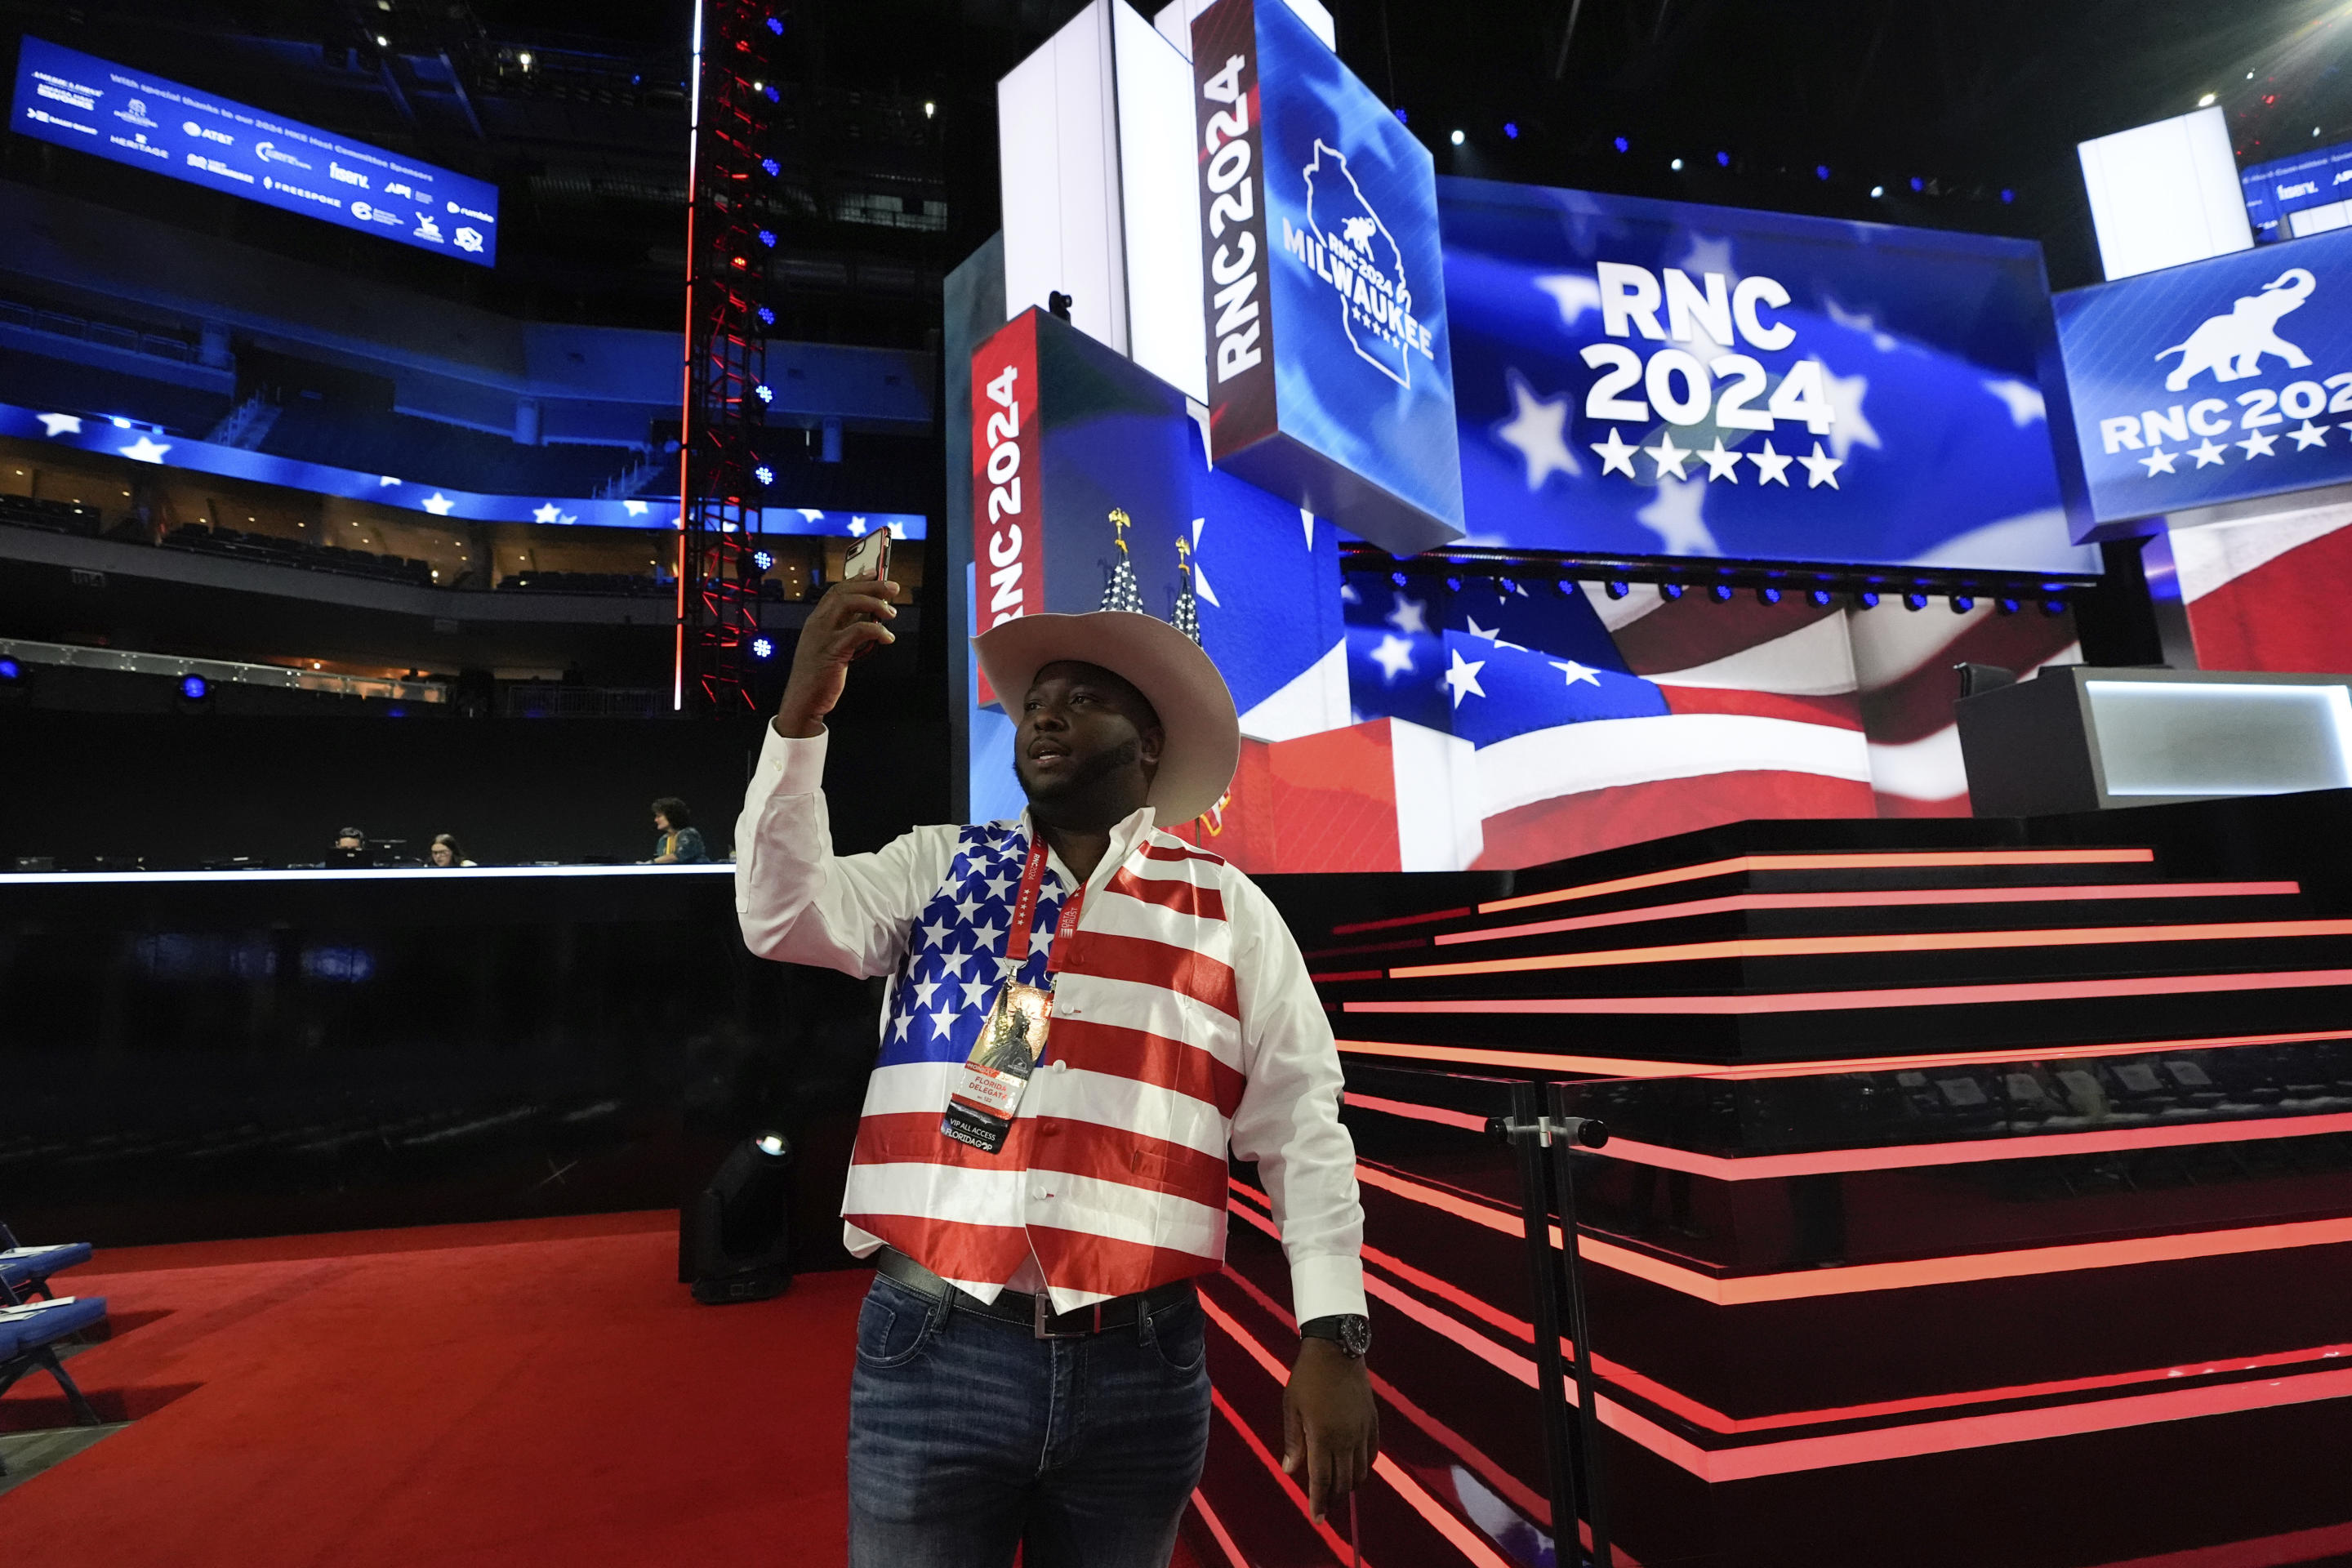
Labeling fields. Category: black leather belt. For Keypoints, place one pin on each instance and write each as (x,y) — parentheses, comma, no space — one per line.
(1035,1313)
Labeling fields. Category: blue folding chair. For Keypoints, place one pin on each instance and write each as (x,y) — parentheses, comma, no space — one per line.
(28,1341)
(25,1270)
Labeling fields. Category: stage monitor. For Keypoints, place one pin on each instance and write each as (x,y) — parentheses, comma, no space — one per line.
(151,122)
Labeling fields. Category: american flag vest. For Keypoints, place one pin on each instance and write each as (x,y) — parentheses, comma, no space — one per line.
(1114,1171)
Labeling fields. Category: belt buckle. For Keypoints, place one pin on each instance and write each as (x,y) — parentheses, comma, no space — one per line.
(1043,1314)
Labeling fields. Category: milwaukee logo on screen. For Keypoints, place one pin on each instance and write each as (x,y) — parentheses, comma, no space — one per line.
(1007,544)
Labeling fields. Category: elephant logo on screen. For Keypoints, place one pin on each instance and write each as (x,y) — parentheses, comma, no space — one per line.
(2232,346)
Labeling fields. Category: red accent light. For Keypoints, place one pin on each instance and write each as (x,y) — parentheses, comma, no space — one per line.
(1876,862)
(1893,898)
(1462,1119)
(1893,996)
(1217,1531)
(1346,974)
(1391,924)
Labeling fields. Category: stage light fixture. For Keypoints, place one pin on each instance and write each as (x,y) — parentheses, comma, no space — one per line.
(930,108)
(735,1238)
(1864,599)
(1818,598)
(763,391)
(1457,138)
(2054,607)
(766,476)
(1768,595)
(1617,589)
(1915,601)
(762,648)
(1675,164)
(1510,130)
(1917,184)
(1720,593)
(11,671)
(523,59)
(2205,101)
(768,238)
(770,168)
(776,25)
(766,316)
(1453,584)
(762,560)
(1623,145)
(772,95)
(1821,171)
(1963,603)
(2006,606)
(1670,590)
(1396,579)
(2007,197)
(1507,585)
(195,687)
(1402,119)
(1723,159)
(1876,191)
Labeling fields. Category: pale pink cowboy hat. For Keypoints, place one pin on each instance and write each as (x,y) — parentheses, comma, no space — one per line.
(1203,743)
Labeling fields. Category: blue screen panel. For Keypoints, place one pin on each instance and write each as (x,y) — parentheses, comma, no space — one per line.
(151,122)
(2304,194)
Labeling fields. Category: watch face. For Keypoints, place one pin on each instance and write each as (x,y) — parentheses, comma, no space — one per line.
(1355,1335)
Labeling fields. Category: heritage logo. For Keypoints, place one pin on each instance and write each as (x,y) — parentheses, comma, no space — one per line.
(1346,246)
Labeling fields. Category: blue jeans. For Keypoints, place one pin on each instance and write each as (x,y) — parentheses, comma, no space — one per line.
(967,1435)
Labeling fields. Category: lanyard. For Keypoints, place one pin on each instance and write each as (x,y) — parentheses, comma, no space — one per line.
(1025,914)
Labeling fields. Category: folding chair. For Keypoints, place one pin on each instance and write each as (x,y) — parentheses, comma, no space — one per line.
(29,1339)
(25,1270)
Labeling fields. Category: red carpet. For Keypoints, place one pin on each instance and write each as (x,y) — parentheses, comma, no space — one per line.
(512,1394)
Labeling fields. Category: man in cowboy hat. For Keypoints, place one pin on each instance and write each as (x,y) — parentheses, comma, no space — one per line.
(1083,1013)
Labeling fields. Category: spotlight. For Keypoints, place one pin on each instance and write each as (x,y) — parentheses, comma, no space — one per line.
(1675,164)
(1458,139)
(1915,601)
(1619,589)
(11,671)
(1510,130)
(735,1241)
(1864,599)
(1821,171)
(766,316)
(1768,595)
(1720,593)
(195,687)
(766,476)
(1397,578)
(2054,607)
(1723,159)
(762,560)
(768,238)
(1917,184)
(1400,117)
(1962,604)
(523,59)
(1670,590)
(1623,146)
(2005,606)
(772,95)
(2007,197)
(762,648)
(1568,588)
(1876,191)
(770,168)
(2205,101)
(763,391)
(776,25)
(1818,598)
(930,109)
(384,43)
(1453,584)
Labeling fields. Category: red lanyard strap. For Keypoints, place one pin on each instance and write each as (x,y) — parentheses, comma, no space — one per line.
(1025,913)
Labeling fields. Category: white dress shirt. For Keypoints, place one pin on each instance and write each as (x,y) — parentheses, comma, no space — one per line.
(801,903)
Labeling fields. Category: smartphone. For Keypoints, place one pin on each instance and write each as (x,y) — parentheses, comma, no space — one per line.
(869,557)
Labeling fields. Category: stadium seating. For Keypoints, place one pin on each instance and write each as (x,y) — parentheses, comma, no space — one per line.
(587,583)
(282,552)
(374,441)
(56,516)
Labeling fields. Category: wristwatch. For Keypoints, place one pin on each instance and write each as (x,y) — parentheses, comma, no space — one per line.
(1351,1331)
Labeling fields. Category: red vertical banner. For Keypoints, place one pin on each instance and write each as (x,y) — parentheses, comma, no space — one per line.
(1229,115)
(1008,543)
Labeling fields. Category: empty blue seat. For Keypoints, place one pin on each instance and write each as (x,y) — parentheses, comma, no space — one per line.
(29,1339)
(26,1271)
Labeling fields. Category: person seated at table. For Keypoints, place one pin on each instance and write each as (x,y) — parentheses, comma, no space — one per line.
(446,852)
(681,842)
(350,849)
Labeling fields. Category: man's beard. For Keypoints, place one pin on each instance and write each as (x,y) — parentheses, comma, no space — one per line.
(1084,781)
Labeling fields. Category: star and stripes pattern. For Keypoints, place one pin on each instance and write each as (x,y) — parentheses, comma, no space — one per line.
(949,980)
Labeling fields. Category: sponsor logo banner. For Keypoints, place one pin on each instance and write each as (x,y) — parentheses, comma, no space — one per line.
(2216,382)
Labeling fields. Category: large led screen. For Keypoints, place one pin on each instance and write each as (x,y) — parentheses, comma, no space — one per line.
(151,123)
(1649,378)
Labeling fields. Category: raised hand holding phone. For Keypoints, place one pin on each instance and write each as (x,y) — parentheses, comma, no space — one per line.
(848,623)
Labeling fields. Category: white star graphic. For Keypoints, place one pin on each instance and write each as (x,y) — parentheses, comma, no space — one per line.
(1669,458)
(923,989)
(1464,677)
(2259,444)
(1577,672)
(1848,428)
(1470,625)
(1616,458)
(998,886)
(1772,465)
(1676,518)
(1821,469)
(811,513)
(943,1020)
(899,1027)
(986,933)
(1407,616)
(385,482)
(1722,463)
(1537,430)
(951,963)
(1207,594)
(857,528)
(967,906)
(935,929)
(1574,293)
(547,513)
(60,423)
(2309,435)
(437,504)
(1395,656)
(2025,405)
(146,449)
(2158,462)
(635,507)
(1863,322)
(2207,455)
(975,992)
